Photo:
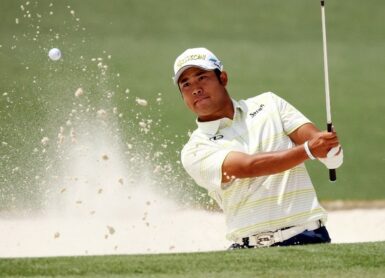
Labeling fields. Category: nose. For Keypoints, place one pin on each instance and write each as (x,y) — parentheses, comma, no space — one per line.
(197,91)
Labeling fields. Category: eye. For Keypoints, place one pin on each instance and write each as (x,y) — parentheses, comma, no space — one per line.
(202,77)
(185,85)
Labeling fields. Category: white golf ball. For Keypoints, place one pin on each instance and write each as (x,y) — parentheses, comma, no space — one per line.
(54,54)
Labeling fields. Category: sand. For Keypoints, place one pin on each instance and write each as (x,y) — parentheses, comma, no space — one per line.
(167,231)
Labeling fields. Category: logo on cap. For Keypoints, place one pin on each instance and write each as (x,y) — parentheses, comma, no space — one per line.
(215,62)
(183,61)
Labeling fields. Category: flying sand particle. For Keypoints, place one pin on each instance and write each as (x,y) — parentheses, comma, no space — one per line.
(141,102)
(157,169)
(79,92)
(101,113)
(110,94)
(44,141)
(111,230)
(73,135)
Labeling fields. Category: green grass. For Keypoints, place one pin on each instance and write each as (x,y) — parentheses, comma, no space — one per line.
(265,46)
(335,260)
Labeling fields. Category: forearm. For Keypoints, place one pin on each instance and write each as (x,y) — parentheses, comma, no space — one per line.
(276,162)
(262,164)
(242,165)
(304,133)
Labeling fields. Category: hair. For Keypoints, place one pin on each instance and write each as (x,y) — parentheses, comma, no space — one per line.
(218,74)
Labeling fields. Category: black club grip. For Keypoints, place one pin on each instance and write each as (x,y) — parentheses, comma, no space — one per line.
(332,175)
(332,172)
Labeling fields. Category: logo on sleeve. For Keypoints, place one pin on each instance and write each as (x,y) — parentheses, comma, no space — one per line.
(216,137)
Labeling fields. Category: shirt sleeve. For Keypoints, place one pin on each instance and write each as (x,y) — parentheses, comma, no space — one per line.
(203,162)
(290,116)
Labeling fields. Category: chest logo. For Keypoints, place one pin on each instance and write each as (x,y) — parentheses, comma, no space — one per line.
(259,109)
(216,137)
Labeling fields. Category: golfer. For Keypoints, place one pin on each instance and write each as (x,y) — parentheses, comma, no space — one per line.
(250,155)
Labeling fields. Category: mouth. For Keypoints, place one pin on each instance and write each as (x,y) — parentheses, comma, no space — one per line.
(200,99)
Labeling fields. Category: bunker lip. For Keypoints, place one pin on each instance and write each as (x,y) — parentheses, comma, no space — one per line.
(353,204)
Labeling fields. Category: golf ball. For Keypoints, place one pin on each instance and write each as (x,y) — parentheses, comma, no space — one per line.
(54,54)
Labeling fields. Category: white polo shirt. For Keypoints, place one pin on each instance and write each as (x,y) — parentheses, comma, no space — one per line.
(253,205)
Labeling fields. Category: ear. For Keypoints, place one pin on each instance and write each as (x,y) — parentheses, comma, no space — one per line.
(223,78)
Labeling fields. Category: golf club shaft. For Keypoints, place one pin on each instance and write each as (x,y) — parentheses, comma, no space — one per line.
(332,172)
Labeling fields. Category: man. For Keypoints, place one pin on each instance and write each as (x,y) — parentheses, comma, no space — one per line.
(250,156)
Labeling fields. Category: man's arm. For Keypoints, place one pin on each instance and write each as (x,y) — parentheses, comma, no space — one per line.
(242,165)
(304,133)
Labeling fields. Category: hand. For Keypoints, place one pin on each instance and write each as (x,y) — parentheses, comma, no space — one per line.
(334,159)
(322,143)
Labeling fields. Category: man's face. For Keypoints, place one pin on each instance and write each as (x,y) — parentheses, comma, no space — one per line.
(203,93)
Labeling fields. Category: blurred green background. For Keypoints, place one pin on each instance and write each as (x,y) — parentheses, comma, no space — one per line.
(265,45)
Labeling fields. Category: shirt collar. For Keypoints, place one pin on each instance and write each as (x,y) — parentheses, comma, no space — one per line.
(212,127)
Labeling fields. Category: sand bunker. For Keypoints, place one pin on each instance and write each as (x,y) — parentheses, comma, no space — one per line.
(154,229)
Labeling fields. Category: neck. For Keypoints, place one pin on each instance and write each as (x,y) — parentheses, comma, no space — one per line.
(227,111)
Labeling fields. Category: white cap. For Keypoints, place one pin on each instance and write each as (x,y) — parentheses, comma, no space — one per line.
(195,57)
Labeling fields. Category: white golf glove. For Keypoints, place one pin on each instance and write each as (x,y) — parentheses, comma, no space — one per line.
(333,161)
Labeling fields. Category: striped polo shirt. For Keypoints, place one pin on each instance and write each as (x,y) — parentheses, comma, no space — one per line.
(253,205)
